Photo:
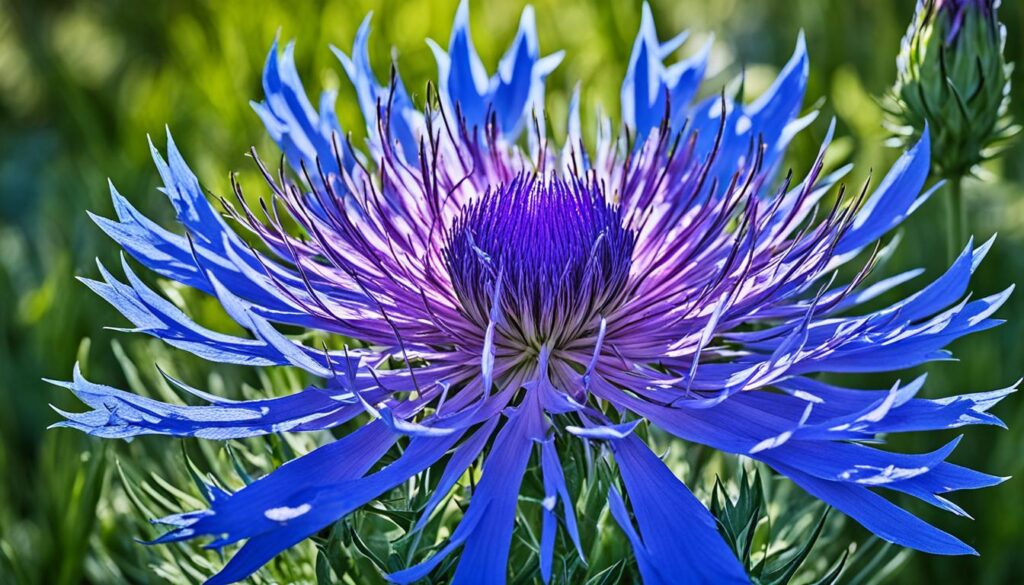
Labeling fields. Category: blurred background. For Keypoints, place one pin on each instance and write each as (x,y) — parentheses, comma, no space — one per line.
(83,83)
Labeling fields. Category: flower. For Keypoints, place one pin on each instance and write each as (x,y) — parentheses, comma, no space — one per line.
(510,298)
(953,77)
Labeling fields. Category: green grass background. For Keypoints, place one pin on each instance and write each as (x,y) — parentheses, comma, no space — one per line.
(83,83)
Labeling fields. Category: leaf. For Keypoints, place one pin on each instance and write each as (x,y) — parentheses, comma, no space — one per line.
(367,552)
(612,574)
(738,520)
(781,573)
(833,575)
(875,562)
(324,574)
(237,464)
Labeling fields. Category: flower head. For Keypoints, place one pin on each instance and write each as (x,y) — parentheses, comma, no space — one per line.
(953,77)
(511,298)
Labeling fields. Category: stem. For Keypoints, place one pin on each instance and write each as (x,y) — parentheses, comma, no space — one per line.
(956,220)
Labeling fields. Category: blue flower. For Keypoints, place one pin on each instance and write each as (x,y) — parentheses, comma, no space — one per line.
(535,296)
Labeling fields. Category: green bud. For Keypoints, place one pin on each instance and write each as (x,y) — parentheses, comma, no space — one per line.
(952,75)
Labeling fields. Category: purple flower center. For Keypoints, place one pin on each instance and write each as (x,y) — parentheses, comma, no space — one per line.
(558,250)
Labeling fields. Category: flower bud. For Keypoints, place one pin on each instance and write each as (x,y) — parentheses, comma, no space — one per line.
(952,75)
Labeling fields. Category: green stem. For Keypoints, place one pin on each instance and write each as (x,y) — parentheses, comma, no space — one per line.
(956,220)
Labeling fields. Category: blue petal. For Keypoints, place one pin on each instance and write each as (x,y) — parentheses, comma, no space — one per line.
(515,74)
(604,432)
(648,82)
(555,489)
(156,316)
(403,115)
(894,199)
(213,248)
(303,134)
(464,79)
(120,414)
(485,531)
(513,95)
(836,471)
(680,537)
(243,514)
(648,571)
(771,120)
(307,511)
(881,517)
(460,461)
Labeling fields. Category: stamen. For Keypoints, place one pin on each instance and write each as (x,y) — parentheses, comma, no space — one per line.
(559,249)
